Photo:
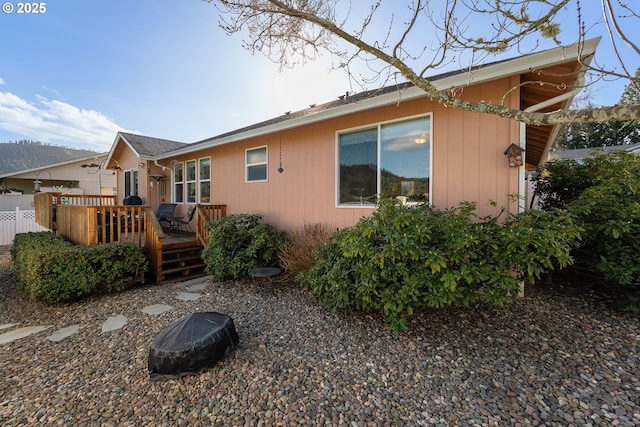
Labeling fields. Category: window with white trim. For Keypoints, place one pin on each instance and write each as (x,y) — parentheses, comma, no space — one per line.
(190,179)
(131,182)
(389,160)
(178,179)
(256,164)
(204,179)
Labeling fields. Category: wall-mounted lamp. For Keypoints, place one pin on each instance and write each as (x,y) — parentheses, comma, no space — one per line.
(514,155)
(36,185)
(140,165)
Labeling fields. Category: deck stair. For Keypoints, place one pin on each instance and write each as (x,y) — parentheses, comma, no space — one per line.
(182,262)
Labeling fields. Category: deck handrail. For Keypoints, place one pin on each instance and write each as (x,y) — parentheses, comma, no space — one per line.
(204,214)
(153,243)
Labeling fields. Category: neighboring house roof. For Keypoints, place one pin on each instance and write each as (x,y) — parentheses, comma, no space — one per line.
(582,153)
(533,97)
(53,165)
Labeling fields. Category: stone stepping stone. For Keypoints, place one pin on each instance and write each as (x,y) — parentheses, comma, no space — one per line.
(63,333)
(197,288)
(188,296)
(7,325)
(156,309)
(16,334)
(114,322)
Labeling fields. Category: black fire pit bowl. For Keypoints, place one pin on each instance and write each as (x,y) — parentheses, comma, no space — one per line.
(191,344)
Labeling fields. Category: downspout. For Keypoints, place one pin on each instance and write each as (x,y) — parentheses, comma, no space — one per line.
(523,132)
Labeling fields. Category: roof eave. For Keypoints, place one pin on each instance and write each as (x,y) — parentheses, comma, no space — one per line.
(490,72)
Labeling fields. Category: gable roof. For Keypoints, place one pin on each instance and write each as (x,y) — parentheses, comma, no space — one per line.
(562,63)
(147,146)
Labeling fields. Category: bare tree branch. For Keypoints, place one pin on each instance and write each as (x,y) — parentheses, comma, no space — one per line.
(286,29)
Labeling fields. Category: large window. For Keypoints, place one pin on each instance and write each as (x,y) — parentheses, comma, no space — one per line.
(387,160)
(256,164)
(192,181)
(204,178)
(178,179)
(131,182)
(190,175)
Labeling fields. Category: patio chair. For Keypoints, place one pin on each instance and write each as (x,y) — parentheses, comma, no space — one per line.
(165,215)
(184,224)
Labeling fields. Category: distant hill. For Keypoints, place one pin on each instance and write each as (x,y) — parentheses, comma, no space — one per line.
(27,154)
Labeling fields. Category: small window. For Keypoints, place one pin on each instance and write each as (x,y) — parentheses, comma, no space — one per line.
(178,174)
(256,164)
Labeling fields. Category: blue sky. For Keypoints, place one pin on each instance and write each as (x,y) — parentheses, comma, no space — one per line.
(83,70)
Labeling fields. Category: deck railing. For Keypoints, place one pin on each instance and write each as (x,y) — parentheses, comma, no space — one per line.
(204,214)
(90,225)
(46,205)
(153,243)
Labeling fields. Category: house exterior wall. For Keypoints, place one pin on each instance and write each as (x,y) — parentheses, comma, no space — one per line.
(468,163)
(151,190)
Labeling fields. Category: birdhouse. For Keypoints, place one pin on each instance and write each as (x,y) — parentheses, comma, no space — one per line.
(514,155)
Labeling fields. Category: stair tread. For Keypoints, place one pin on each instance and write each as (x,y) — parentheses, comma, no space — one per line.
(181,250)
(186,258)
(166,271)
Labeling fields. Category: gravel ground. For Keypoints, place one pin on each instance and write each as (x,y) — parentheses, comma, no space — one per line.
(552,358)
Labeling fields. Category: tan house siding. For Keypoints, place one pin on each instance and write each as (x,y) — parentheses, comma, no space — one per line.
(468,163)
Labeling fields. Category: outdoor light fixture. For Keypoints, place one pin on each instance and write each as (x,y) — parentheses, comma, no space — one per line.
(420,139)
(36,185)
(514,155)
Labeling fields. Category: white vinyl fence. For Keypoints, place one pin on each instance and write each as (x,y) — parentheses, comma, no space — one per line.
(18,221)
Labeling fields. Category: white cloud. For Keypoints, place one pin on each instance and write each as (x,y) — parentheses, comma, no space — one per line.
(1,81)
(54,121)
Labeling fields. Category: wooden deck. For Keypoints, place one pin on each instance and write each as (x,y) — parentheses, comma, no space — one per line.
(91,220)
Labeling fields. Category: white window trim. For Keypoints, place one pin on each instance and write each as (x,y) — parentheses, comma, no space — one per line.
(134,176)
(174,192)
(247,165)
(378,125)
(187,182)
(200,181)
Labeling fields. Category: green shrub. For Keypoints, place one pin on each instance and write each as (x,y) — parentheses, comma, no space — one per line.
(118,266)
(239,243)
(64,274)
(52,270)
(401,258)
(26,252)
(607,205)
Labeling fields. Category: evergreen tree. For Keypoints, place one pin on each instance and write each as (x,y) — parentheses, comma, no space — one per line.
(602,134)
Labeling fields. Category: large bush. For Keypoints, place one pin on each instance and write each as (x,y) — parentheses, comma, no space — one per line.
(401,258)
(239,243)
(606,201)
(51,270)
